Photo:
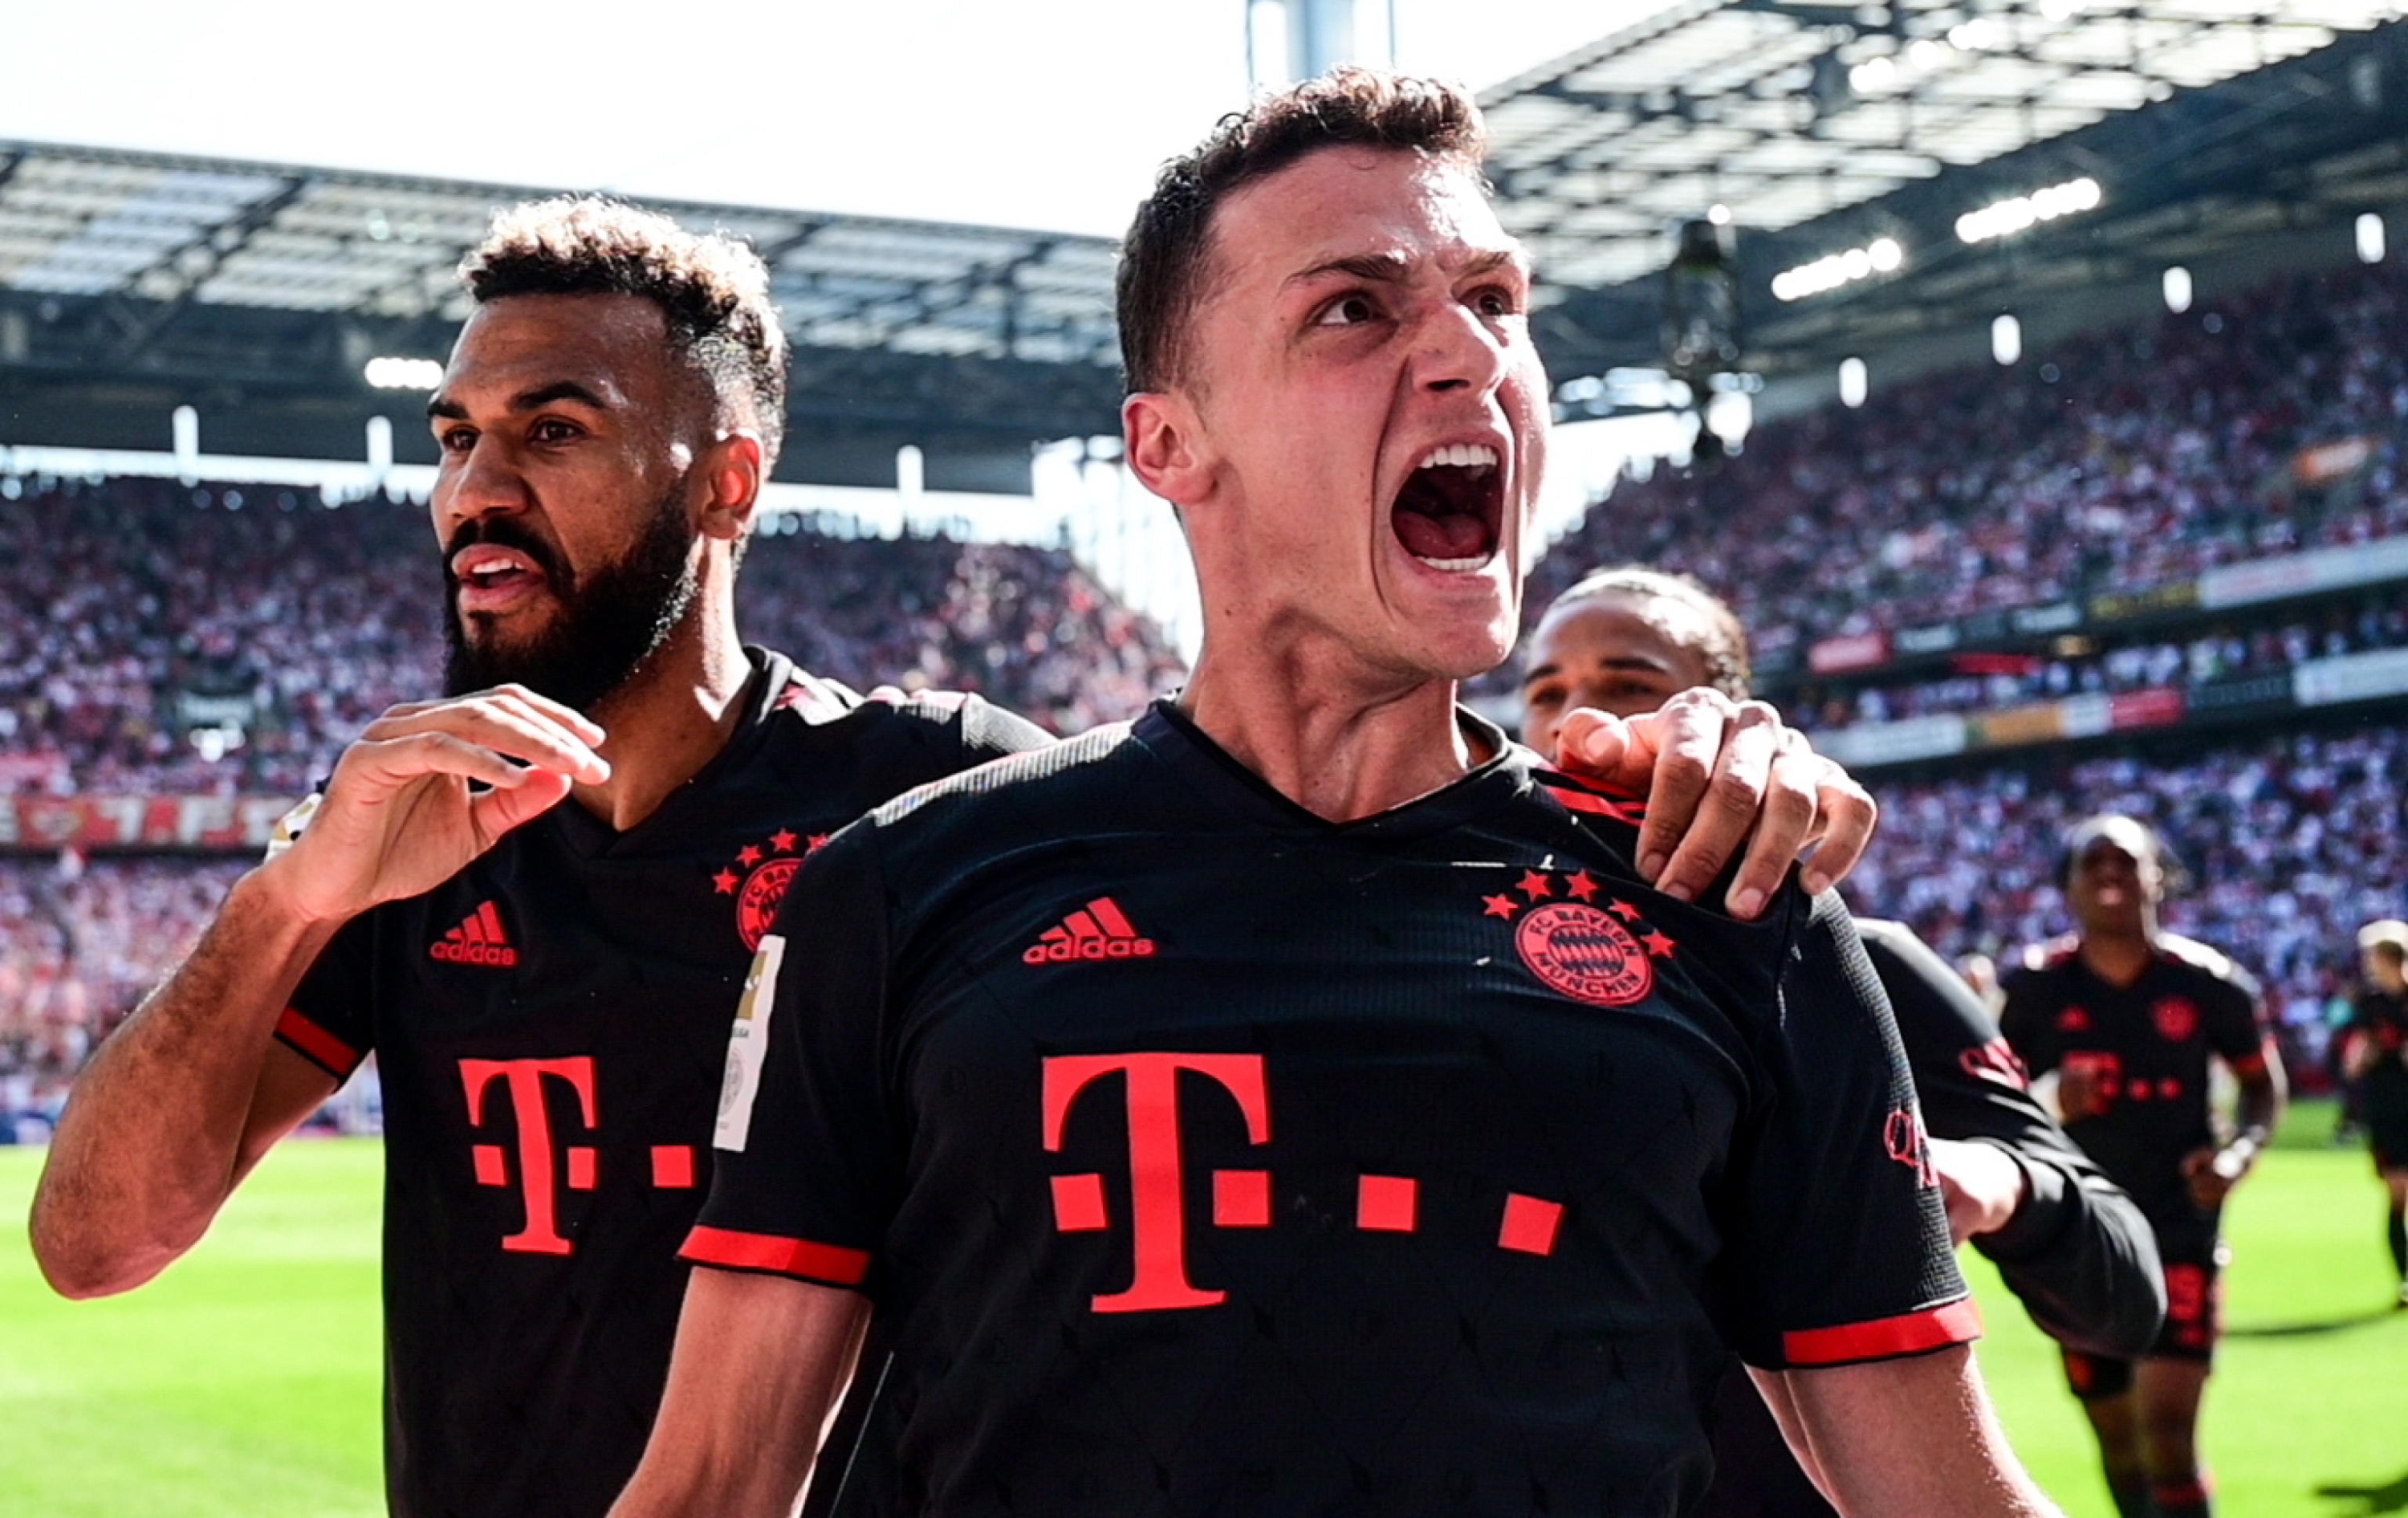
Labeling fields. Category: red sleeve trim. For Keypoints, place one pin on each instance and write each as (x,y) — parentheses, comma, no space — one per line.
(741,1250)
(1913,1333)
(315,1044)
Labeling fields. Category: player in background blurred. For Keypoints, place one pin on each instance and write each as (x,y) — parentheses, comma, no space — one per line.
(548,987)
(2066,1240)
(2374,1053)
(2128,1017)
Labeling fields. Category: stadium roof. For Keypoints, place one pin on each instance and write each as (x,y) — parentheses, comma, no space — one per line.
(142,268)
(89,221)
(1814,121)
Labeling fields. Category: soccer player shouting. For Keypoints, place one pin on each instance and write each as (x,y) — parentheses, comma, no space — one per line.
(2071,1244)
(2129,1016)
(547,987)
(2374,1050)
(1297,1101)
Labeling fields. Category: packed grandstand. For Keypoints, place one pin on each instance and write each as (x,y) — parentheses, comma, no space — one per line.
(1977,545)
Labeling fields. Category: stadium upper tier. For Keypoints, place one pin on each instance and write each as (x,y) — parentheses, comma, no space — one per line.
(2094,481)
(225,639)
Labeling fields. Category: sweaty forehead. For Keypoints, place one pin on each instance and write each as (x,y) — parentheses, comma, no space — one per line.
(618,347)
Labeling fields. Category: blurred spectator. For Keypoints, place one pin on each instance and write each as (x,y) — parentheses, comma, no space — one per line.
(223,639)
(2117,460)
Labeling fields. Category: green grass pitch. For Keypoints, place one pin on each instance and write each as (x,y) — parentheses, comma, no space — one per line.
(244,1382)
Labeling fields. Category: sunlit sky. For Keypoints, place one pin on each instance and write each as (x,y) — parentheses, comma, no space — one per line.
(1043,113)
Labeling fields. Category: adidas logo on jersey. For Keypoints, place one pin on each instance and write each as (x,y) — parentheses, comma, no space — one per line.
(1099,930)
(479,940)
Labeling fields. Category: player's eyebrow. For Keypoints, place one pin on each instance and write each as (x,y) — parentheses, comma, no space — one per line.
(525,400)
(1394,267)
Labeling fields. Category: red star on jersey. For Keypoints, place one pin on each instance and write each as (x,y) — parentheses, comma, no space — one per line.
(1580,887)
(1504,906)
(1659,945)
(1535,886)
(1625,910)
(750,857)
(782,841)
(726,881)
(818,842)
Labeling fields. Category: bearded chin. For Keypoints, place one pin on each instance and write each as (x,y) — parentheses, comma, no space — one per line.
(611,623)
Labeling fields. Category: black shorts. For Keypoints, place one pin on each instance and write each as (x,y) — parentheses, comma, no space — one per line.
(2386,1134)
(2194,1258)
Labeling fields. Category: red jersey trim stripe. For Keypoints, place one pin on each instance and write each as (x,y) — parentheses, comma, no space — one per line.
(1912,1333)
(740,1251)
(316,1045)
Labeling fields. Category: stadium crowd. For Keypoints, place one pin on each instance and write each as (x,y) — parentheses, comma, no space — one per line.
(2119,460)
(144,623)
(2289,843)
(1984,682)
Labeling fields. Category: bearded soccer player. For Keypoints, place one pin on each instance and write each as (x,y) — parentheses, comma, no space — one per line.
(2066,1240)
(1296,1101)
(2374,1050)
(2128,1017)
(547,987)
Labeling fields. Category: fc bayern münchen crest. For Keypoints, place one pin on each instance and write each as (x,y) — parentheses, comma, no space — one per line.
(1589,954)
(758,878)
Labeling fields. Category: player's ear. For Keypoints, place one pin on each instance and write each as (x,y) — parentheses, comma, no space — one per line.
(734,472)
(1163,443)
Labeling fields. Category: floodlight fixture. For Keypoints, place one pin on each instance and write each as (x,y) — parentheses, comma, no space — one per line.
(388,372)
(1854,382)
(2020,213)
(1882,255)
(2177,287)
(2006,339)
(2370,238)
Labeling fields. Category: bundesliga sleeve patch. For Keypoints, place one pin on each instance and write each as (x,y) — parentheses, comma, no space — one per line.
(748,1042)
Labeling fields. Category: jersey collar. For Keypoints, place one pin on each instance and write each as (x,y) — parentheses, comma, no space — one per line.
(1230,786)
(765,692)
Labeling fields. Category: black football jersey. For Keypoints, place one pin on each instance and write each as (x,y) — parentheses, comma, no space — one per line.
(548,1026)
(1201,1156)
(2383,1020)
(2147,1046)
(2078,1252)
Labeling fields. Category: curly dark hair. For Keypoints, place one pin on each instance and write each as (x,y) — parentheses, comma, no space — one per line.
(1725,651)
(712,290)
(1165,255)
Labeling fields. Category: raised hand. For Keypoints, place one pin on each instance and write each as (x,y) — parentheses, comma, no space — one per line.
(428,787)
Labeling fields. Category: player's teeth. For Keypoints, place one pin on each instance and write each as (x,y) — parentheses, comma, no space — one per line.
(1457,566)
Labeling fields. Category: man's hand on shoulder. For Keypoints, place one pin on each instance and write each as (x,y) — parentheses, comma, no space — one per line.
(428,787)
(1717,773)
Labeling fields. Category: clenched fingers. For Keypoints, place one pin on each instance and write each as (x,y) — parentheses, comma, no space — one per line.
(1784,823)
(1845,817)
(1685,738)
(1726,808)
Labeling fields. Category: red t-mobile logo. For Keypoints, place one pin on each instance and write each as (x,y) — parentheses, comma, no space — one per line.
(538,1177)
(1158,1180)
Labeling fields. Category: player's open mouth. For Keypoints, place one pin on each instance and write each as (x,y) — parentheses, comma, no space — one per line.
(491,576)
(1450,508)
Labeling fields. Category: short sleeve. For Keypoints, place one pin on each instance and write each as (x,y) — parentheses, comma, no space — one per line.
(2027,1021)
(2234,1028)
(330,1020)
(807,1172)
(1838,1251)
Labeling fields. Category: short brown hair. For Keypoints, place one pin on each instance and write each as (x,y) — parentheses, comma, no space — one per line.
(1169,245)
(1724,650)
(712,290)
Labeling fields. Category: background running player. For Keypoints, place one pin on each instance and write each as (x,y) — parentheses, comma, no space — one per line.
(2374,1050)
(2069,1244)
(2128,1017)
(547,987)
(1397,1147)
